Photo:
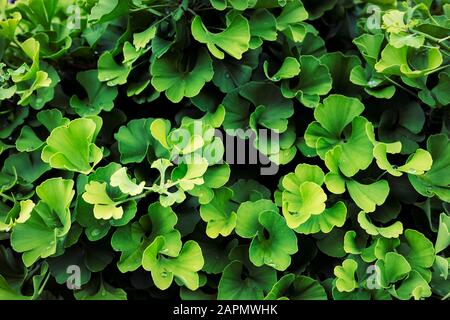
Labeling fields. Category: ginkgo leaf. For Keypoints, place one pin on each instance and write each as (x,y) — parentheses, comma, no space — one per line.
(184,267)
(368,196)
(132,239)
(111,72)
(104,207)
(293,12)
(126,185)
(234,40)
(394,61)
(224,150)
(236,4)
(263,26)
(435,181)
(141,39)
(313,81)
(302,195)
(393,267)
(19,213)
(345,276)
(176,83)
(325,222)
(273,241)
(289,69)
(72,146)
(417,164)
(219,213)
(48,223)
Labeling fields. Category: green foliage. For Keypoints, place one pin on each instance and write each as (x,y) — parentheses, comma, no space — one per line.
(100,96)
(115,123)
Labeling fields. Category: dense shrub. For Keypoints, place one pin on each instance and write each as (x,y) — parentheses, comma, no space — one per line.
(116,117)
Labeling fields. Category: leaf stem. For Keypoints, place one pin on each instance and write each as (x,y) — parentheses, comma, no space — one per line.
(32,272)
(400,86)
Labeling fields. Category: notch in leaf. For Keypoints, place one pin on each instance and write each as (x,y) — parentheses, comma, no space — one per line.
(132,239)
(178,78)
(273,242)
(184,267)
(71,147)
